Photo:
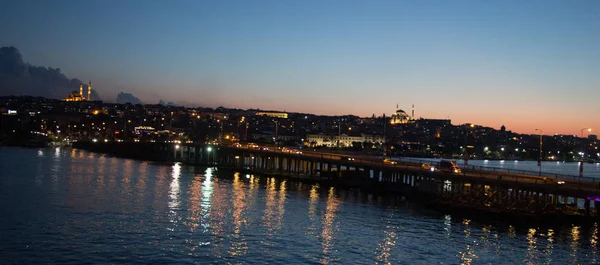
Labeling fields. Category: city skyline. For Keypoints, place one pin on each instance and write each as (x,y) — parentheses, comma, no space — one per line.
(523,65)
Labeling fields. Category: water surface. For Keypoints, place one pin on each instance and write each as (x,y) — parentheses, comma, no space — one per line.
(67,206)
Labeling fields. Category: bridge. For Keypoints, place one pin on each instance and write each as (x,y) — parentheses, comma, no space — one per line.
(475,189)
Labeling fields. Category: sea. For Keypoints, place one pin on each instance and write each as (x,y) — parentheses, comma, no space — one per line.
(69,206)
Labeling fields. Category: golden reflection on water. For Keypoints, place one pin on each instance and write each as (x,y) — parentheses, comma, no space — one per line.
(549,246)
(512,232)
(329,227)
(312,210)
(194,208)
(270,206)
(531,246)
(594,242)
(254,184)
(467,256)
(238,244)
(574,243)
(194,211)
(385,247)
(281,204)
(485,237)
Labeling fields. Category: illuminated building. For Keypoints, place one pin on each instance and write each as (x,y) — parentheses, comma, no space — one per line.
(74,96)
(401,117)
(90,91)
(343,140)
(273,114)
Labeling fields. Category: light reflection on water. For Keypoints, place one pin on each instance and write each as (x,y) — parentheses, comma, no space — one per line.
(73,207)
(389,242)
(330,228)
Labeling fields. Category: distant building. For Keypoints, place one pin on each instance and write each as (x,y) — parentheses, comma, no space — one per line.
(400,117)
(273,114)
(74,96)
(271,136)
(344,140)
(593,137)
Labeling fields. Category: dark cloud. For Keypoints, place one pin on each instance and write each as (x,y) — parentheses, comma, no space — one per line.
(127,98)
(20,78)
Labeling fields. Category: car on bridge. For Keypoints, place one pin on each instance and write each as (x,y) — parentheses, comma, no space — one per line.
(449,166)
(389,161)
(553,180)
(347,158)
(428,167)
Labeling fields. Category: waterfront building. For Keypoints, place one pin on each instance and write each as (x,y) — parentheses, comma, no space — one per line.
(342,140)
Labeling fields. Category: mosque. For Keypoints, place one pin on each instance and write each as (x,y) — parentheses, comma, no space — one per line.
(74,96)
(401,117)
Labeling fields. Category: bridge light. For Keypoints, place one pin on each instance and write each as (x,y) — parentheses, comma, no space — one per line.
(176,146)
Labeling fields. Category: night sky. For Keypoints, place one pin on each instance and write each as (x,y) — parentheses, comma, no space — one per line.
(524,64)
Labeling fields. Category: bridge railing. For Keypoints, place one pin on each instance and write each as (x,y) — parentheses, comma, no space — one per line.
(415,164)
(511,171)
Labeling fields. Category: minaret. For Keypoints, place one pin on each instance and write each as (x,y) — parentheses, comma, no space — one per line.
(413,112)
(81,89)
(90,91)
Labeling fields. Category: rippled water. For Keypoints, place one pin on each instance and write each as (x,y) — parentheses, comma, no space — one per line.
(67,206)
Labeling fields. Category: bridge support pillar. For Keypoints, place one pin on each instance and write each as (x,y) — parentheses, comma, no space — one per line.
(586,205)
(554,199)
(280,163)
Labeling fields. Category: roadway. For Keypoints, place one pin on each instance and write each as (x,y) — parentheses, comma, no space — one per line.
(378,162)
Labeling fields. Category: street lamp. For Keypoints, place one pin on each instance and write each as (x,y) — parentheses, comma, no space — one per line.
(588,129)
(540,159)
